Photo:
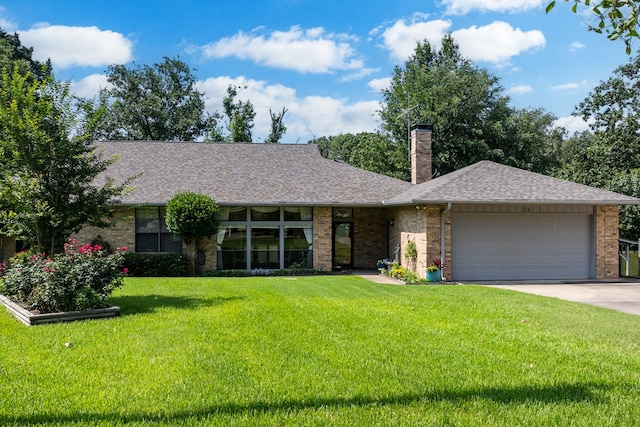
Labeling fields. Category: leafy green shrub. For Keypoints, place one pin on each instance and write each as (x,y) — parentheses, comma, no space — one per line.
(156,265)
(192,216)
(79,279)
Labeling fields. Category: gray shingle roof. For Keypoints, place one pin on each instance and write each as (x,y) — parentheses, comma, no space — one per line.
(244,174)
(489,182)
(286,174)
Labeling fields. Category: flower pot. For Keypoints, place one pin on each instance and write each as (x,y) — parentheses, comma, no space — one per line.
(434,276)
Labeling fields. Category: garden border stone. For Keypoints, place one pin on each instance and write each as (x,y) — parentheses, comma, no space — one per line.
(30,319)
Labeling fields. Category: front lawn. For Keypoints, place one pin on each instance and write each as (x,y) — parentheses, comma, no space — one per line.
(332,350)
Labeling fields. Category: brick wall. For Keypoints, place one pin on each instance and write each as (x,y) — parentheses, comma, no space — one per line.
(322,231)
(422,225)
(607,242)
(370,237)
(122,233)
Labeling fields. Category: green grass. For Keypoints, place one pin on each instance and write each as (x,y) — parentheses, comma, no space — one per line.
(332,350)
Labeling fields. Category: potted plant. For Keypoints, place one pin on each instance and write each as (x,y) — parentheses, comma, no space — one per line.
(411,253)
(433,271)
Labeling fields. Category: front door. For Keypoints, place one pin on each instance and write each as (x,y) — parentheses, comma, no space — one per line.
(342,245)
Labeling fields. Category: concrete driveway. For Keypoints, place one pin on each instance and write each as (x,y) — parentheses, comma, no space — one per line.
(624,296)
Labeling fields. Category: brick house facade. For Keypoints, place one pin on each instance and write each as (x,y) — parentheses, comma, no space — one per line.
(321,208)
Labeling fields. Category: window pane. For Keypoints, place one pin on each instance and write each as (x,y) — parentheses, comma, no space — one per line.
(292,214)
(146,242)
(170,243)
(297,237)
(163,224)
(232,248)
(237,214)
(297,247)
(342,212)
(265,213)
(147,220)
(265,247)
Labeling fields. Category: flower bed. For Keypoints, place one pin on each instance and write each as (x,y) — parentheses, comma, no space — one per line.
(77,280)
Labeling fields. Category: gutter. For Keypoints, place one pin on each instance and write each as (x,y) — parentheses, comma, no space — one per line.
(443,247)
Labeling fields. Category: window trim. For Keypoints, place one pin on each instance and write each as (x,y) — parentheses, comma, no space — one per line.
(161,215)
(281,224)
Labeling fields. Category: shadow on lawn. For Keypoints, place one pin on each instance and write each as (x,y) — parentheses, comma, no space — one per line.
(141,304)
(558,394)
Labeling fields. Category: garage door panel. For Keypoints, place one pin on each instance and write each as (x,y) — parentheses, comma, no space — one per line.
(521,246)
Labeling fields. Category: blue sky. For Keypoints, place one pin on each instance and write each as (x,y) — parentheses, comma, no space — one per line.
(325,61)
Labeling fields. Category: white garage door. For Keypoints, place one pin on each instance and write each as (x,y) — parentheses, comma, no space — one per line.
(521,246)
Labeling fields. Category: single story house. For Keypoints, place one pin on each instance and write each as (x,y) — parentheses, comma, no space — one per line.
(284,205)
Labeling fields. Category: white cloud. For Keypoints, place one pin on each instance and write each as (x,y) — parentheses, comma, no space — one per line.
(77,46)
(305,51)
(497,42)
(577,45)
(572,124)
(462,7)
(401,38)
(520,90)
(566,86)
(380,84)
(307,117)
(6,23)
(90,86)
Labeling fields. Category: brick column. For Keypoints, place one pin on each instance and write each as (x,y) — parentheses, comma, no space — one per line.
(322,230)
(607,261)
(421,154)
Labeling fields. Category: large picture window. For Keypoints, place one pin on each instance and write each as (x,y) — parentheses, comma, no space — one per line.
(268,237)
(151,232)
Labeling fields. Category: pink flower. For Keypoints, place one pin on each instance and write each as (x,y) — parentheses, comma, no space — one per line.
(125,270)
(123,249)
(97,247)
(74,242)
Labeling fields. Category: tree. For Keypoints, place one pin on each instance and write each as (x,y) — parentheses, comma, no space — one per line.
(48,163)
(277,127)
(373,151)
(192,216)
(238,119)
(157,102)
(608,156)
(617,18)
(467,109)
(14,54)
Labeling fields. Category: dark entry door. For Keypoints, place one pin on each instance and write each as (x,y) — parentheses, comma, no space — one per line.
(343,245)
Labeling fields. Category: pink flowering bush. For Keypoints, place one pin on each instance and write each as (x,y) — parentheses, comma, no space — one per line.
(79,279)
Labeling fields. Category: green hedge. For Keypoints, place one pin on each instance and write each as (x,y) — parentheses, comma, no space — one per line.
(156,265)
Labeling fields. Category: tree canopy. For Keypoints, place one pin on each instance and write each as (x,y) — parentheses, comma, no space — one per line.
(235,123)
(609,155)
(48,163)
(153,102)
(469,113)
(618,19)
(372,151)
(14,54)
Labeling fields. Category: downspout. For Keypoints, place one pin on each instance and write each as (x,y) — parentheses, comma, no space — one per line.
(443,246)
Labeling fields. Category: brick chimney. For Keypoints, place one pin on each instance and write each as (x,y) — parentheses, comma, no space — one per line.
(420,154)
